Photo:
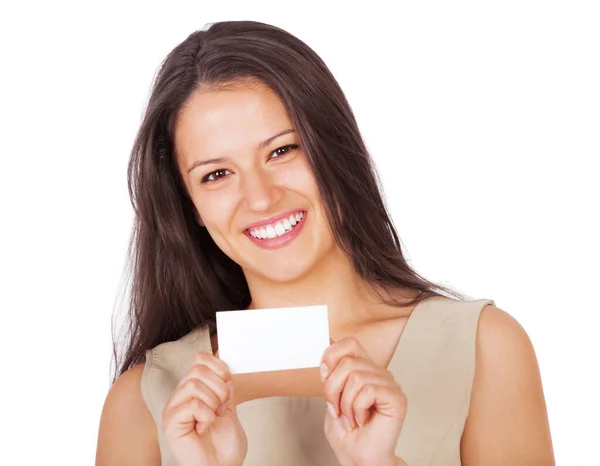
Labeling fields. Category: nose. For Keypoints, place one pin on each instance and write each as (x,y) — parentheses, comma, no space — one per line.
(260,192)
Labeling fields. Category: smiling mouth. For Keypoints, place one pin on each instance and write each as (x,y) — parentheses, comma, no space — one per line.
(277,229)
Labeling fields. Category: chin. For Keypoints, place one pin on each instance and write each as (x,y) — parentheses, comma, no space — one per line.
(281,272)
(286,274)
(289,264)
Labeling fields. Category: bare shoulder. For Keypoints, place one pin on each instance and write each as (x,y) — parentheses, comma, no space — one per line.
(508,420)
(127,434)
(498,331)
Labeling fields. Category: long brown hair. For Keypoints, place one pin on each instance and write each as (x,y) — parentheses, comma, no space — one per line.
(179,278)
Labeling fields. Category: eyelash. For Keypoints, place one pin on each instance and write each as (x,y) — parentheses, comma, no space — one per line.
(291,147)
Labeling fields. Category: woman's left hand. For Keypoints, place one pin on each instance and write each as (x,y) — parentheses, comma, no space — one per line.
(366,406)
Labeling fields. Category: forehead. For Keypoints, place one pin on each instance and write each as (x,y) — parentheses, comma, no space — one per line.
(217,121)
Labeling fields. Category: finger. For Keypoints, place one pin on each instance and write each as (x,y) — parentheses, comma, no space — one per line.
(230,404)
(195,388)
(213,363)
(210,379)
(348,346)
(386,399)
(355,382)
(336,381)
(188,416)
(332,355)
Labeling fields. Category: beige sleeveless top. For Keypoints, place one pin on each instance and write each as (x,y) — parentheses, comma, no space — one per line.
(434,364)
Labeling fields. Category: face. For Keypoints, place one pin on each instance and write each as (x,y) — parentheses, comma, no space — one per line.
(251,183)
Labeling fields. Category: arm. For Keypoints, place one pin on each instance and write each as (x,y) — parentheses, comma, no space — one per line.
(127,434)
(507,421)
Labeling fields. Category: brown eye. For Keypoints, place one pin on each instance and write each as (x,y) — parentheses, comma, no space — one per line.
(283,151)
(215,176)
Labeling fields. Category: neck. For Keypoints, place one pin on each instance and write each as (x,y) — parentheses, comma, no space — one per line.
(351,304)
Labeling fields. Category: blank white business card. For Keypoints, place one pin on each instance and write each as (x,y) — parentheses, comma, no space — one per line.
(260,340)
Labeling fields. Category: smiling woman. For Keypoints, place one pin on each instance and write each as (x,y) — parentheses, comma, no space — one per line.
(253,189)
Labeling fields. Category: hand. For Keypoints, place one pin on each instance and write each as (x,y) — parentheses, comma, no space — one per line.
(200,420)
(366,406)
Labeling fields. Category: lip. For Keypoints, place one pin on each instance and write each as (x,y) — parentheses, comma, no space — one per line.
(279,241)
(273,219)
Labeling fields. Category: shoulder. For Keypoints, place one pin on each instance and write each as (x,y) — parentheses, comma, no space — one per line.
(507,421)
(499,332)
(127,433)
(504,350)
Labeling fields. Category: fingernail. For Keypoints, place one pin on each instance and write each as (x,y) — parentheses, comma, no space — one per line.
(346,422)
(331,410)
(324,372)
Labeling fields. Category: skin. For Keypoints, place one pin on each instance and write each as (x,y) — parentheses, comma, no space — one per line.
(507,422)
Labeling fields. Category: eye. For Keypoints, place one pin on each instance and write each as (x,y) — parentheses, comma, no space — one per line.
(283,151)
(218,175)
(215,176)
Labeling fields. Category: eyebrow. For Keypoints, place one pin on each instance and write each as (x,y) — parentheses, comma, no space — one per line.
(262,145)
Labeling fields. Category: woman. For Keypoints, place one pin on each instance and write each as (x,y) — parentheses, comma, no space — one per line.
(253,189)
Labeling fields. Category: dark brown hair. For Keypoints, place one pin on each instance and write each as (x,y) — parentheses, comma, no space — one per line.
(179,278)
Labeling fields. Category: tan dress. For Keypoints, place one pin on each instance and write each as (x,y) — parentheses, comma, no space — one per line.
(434,364)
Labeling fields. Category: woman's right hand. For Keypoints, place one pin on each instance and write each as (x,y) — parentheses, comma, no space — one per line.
(200,420)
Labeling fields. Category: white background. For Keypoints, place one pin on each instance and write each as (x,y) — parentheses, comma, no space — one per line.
(483,118)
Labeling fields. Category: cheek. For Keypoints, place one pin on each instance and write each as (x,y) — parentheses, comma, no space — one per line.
(299,177)
(216,209)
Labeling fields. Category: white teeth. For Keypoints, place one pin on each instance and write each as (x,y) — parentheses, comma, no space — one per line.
(279,229)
